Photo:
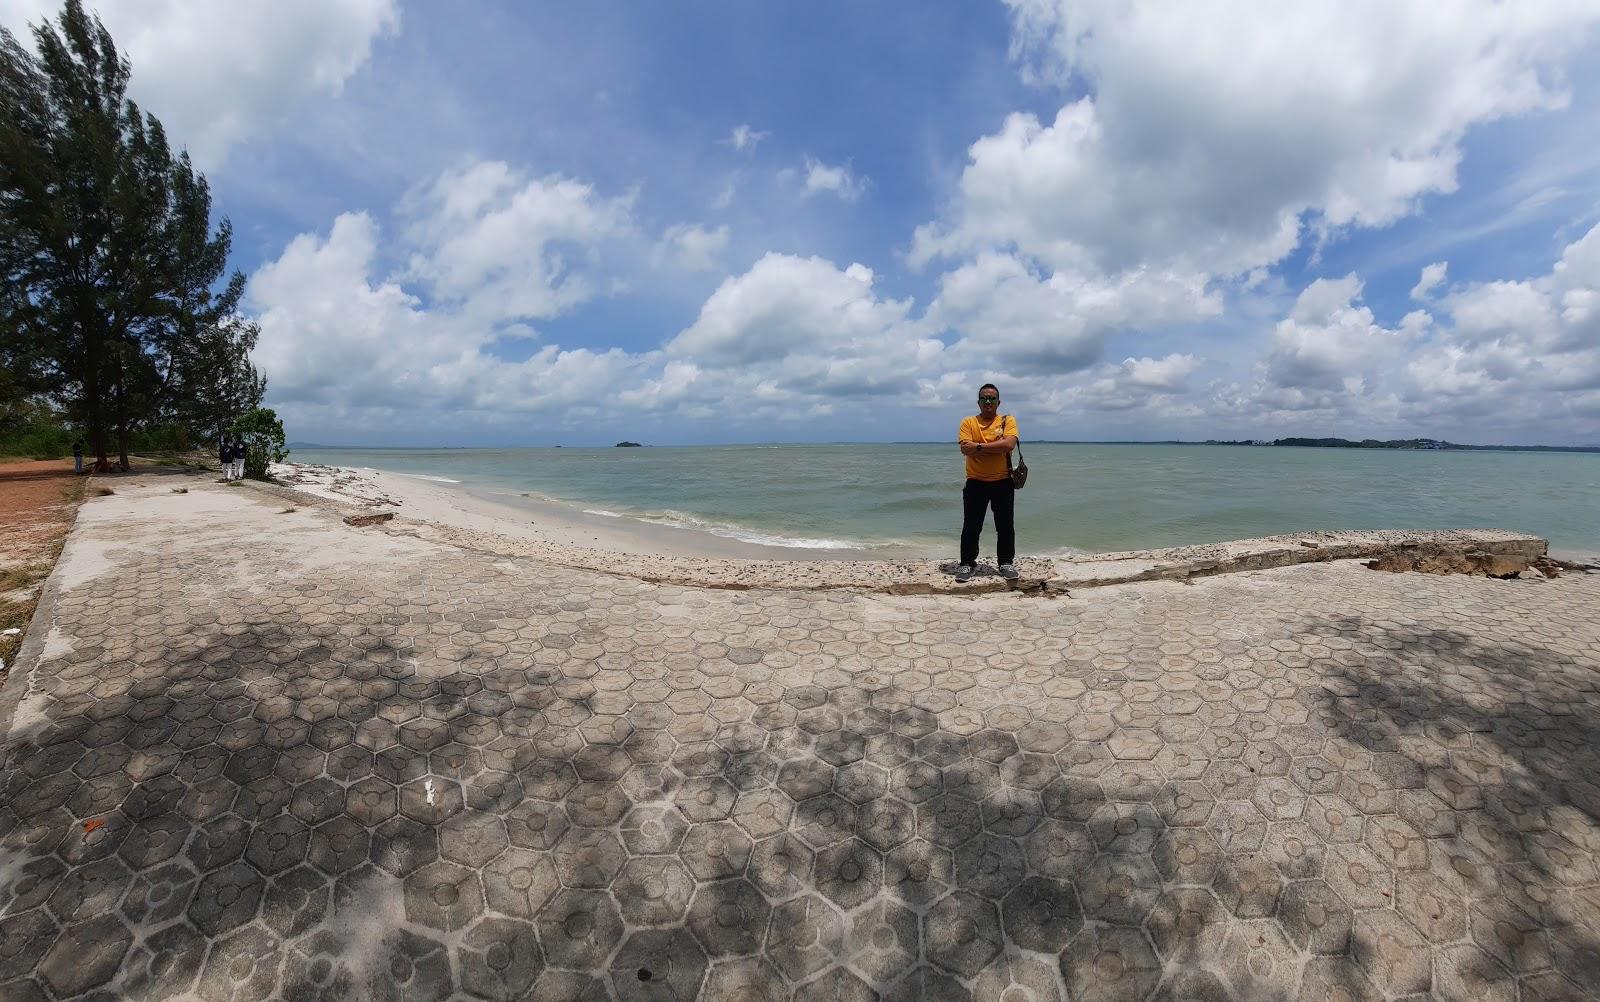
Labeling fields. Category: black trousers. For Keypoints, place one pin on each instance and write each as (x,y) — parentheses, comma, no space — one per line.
(976,498)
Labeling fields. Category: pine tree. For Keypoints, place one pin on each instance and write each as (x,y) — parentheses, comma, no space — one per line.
(111,305)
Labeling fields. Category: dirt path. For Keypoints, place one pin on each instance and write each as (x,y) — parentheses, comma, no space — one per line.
(38,500)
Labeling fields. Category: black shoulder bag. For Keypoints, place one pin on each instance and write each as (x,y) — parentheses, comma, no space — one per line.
(1019,474)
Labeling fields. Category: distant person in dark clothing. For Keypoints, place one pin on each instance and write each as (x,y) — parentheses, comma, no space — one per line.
(225,457)
(986,439)
(77,456)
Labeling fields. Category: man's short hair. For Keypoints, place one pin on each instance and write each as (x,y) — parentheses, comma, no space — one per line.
(989,386)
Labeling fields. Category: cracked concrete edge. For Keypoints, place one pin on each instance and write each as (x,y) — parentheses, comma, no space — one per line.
(927,577)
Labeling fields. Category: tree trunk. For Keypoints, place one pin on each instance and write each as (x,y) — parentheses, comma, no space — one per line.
(120,395)
(95,412)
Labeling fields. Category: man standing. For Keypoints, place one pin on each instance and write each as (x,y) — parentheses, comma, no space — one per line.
(225,457)
(77,455)
(986,440)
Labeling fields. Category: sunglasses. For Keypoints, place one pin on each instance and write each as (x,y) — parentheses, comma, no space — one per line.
(988,400)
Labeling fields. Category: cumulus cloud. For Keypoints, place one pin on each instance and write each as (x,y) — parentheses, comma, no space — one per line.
(485,249)
(1431,278)
(837,179)
(1331,342)
(1012,315)
(1216,133)
(690,247)
(1538,339)
(217,74)
(804,325)
(503,246)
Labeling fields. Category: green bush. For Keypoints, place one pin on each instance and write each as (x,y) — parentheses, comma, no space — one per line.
(262,434)
(39,436)
(163,438)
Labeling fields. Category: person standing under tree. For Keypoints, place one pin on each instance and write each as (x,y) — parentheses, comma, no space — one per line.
(225,457)
(987,439)
(77,455)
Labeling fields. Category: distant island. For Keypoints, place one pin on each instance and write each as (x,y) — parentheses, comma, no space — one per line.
(629,445)
(1401,443)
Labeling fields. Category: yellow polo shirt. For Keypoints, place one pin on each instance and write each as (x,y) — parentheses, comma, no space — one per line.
(986,465)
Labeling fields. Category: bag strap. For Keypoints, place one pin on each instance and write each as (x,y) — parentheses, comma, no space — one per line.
(1019,445)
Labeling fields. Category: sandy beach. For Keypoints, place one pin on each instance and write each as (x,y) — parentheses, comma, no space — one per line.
(525,527)
(526,517)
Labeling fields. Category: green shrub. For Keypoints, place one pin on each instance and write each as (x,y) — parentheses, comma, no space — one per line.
(262,434)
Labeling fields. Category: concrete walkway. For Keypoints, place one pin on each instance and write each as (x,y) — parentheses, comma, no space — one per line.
(254,754)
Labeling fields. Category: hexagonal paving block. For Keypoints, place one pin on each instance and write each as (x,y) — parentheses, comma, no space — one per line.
(165,965)
(659,964)
(588,857)
(500,959)
(85,955)
(1315,917)
(401,845)
(1042,914)
(961,933)
(243,965)
(848,873)
(536,824)
(883,940)
(716,849)
(472,838)
(296,900)
(1391,953)
(1118,889)
(652,890)
(749,979)
(804,936)
(1435,908)
(1259,960)
(1187,925)
(729,917)
(1109,963)
(443,896)
(226,898)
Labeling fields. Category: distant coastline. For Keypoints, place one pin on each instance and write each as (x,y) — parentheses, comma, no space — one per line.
(1400,444)
(1404,444)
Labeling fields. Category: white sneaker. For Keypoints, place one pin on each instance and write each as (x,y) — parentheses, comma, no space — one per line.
(1008,572)
(965,572)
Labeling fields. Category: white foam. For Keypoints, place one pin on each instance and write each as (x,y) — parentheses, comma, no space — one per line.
(424,476)
(682,520)
(602,512)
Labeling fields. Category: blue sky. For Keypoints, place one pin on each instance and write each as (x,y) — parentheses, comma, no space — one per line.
(698,222)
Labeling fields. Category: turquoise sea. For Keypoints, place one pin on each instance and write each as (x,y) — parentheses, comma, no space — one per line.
(905,499)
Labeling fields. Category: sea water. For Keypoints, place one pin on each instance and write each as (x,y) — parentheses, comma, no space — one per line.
(906,499)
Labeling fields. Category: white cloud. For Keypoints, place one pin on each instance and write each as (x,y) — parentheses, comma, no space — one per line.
(1216,132)
(503,246)
(335,336)
(1432,276)
(690,247)
(1153,388)
(1167,374)
(218,74)
(821,177)
(1331,342)
(745,139)
(804,326)
(1537,340)
(1010,315)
